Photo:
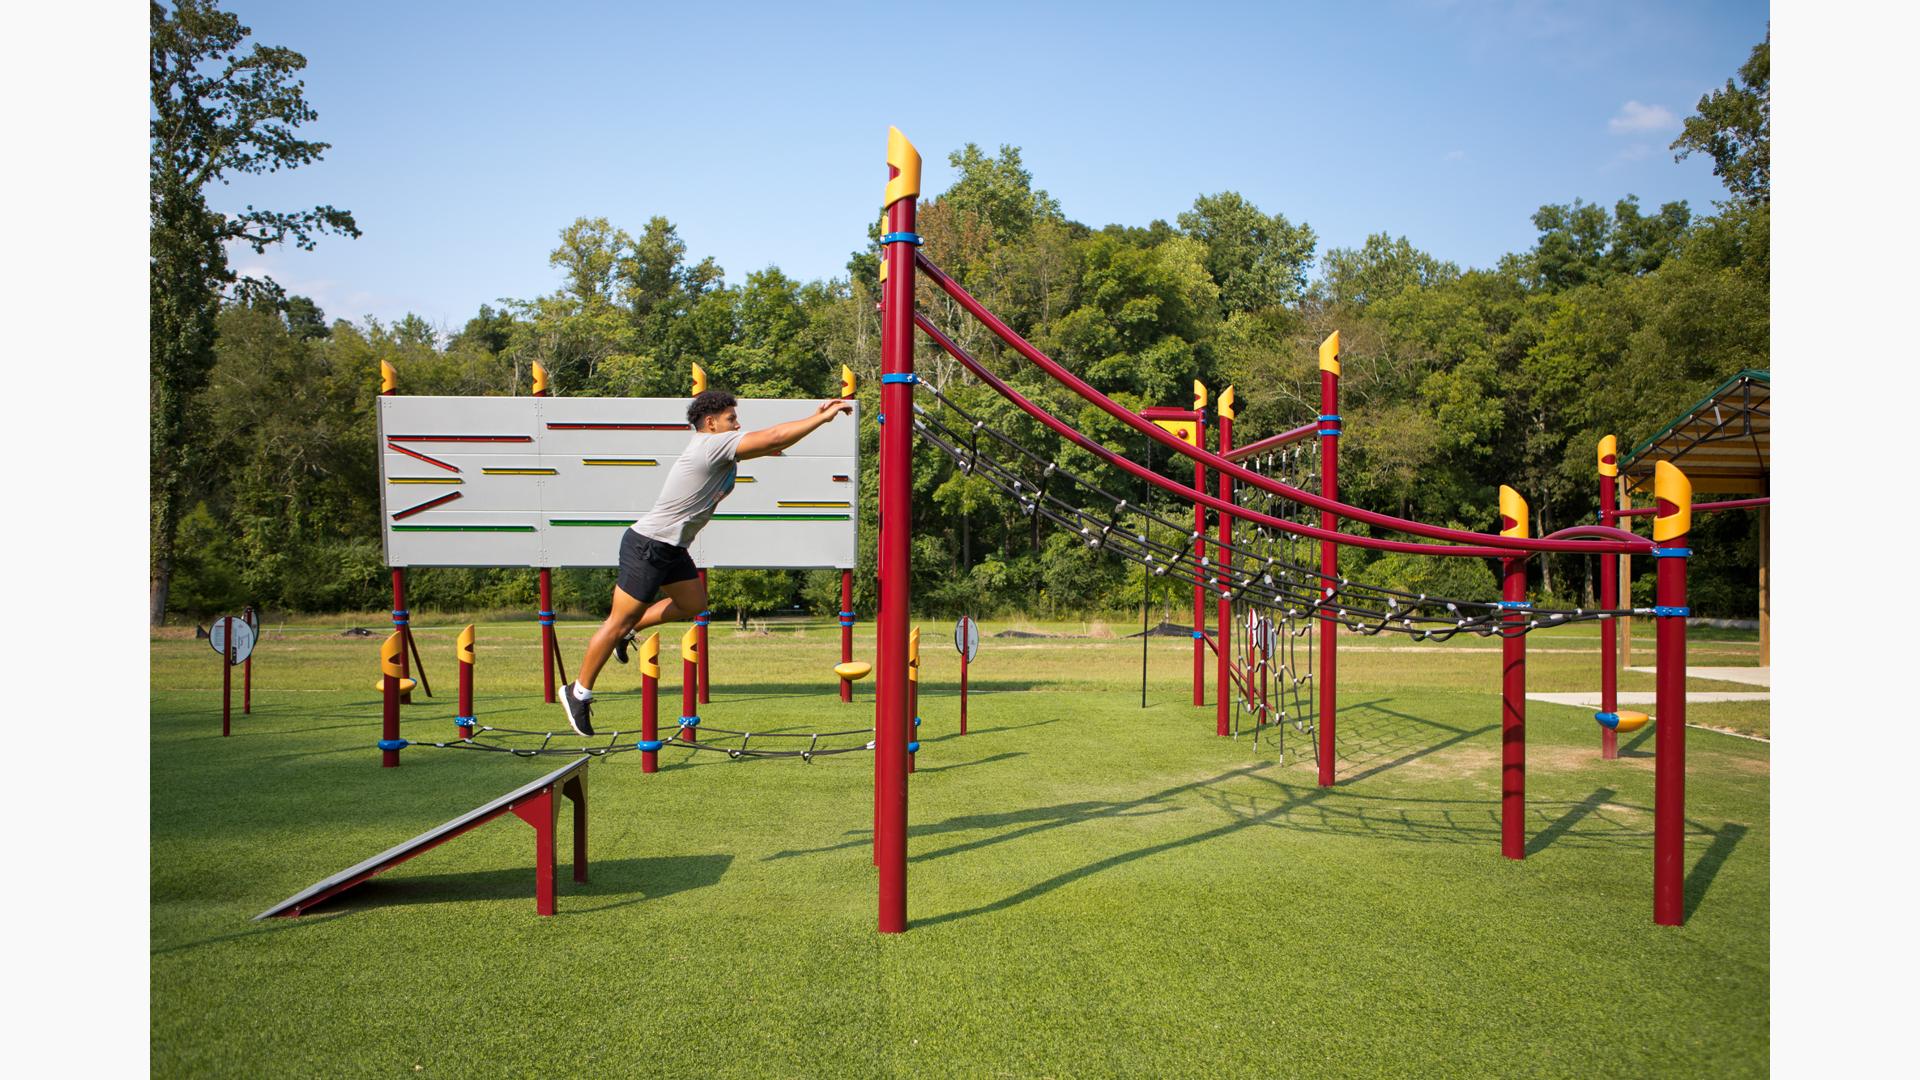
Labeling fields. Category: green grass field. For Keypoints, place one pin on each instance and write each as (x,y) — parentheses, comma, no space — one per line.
(1095,888)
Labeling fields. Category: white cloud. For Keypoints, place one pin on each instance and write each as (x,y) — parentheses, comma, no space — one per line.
(1634,118)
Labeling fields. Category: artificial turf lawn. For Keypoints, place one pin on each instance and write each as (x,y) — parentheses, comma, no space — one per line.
(1094,888)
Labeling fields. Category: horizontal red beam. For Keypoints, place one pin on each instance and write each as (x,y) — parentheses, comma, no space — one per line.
(1272,442)
(459,438)
(1702,507)
(617,427)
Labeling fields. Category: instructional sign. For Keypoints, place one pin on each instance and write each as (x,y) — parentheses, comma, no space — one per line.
(551,482)
(242,637)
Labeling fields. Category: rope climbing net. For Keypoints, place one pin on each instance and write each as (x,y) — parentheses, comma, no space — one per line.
(1276,684)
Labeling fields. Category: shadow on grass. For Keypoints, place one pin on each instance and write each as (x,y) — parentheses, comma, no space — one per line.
(1703,872)
(614,883)
(976,761)
(1564,824)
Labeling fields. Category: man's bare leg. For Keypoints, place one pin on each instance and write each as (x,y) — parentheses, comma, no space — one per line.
(683,600)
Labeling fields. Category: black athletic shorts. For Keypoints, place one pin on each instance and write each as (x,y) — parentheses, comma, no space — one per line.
(646,564)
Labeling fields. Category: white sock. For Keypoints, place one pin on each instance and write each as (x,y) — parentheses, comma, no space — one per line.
(581,693)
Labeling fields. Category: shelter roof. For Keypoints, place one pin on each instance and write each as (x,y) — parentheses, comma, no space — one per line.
(1721,443)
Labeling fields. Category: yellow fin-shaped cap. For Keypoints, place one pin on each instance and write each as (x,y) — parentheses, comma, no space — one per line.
(392,651)
(847,383)
(1226,403)
(389,379)
(1199,395)
(1513,513)
(903,168)
(650,655)
(1330,353)
(690,644)
(463,646)
(1673,501)
(852,669)
(699,379)
(1609,456)
(539,379)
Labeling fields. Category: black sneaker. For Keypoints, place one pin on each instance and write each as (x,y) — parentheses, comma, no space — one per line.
(579,713)
(620,647)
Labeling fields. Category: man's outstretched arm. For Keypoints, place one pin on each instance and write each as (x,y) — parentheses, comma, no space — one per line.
(780,436)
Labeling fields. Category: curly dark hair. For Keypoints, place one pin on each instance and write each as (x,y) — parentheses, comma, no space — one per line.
(708,403)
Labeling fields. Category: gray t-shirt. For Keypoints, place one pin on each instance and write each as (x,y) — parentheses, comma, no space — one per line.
(702,476)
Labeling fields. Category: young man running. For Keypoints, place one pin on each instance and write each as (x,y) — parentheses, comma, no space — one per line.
(653,552)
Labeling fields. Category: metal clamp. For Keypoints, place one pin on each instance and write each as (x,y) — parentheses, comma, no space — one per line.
(1677,612)
(899,377)
(902,237)
(1672,553)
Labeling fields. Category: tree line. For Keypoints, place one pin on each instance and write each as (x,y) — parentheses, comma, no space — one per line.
(1454,380)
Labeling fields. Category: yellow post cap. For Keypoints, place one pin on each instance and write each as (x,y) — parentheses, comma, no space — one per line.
(913,655)
(463,646)
(699,379)
(1672,501)
(1330,353)
(650,655)
(846,381)
(883,270)
(392,651)
(1226,403)
(1609,456)
(903,168)
(539,379)
(389,379)
(1513,513)
(1199,395)
(852,670)
(690,644)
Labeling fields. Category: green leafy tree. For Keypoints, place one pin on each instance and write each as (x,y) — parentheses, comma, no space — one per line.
(1256,260)
(1381,267)
(1731,126)
(215,111)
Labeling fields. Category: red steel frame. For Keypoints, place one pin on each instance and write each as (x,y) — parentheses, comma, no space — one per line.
(1328,427)
(246,672)
(463,652)
(226,677)
(1198,418)
(896,528)
(1609,588)
(1513,711)
(1222,574)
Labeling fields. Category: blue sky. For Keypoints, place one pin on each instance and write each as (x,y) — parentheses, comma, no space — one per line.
(466,135)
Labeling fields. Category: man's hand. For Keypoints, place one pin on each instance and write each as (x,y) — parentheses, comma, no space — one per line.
(838,405)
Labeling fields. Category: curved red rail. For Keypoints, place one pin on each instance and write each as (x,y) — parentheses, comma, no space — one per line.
(1066,431)
(1506,545)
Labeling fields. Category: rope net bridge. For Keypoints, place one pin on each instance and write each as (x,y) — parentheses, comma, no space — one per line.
(736,745)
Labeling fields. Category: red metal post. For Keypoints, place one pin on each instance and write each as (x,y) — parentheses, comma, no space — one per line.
(402,625)
(1329,551)
(650,705)
(1222,571)
(846,630)
(896,526)
(1199,555)
(1609,633)
(963,693)
(690,685)
(1674,496)
(463,654)
(700,623)
(393,659)
(1513,711)
(546,632)
(226,677)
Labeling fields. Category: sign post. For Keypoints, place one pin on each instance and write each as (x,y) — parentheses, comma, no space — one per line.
(232,638)
(966,640)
